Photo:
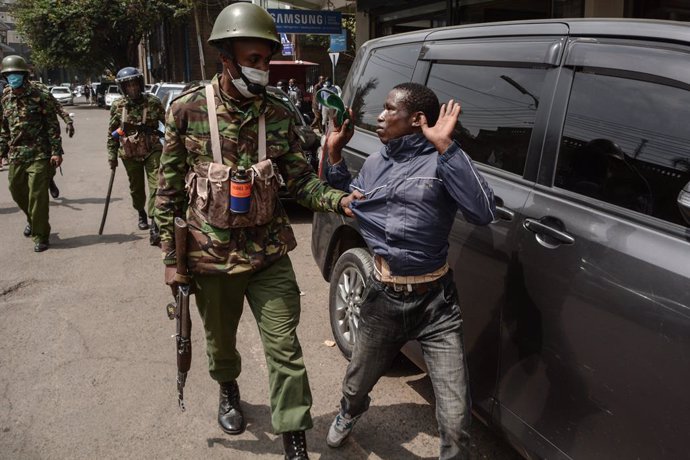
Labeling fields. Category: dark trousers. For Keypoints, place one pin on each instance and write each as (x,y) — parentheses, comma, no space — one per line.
(388,319)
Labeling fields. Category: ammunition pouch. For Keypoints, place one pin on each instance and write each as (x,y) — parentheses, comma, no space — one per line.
(135,147)
(208,189)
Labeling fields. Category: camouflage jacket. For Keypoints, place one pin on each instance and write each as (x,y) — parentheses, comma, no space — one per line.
(58,107)
(30,128)
(135,111)
(187,143)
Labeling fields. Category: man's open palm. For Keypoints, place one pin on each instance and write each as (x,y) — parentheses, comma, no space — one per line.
(440,133)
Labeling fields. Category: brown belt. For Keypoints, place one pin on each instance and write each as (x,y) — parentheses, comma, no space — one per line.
(418,288)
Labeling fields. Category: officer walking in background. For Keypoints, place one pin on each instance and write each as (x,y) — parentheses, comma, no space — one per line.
(69,129)
(30,138)
(133,136)
(213,133)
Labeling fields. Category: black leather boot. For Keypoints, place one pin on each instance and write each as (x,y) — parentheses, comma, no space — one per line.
(295,445)
(154,234)
(143,218)
(230,416)
(27,230)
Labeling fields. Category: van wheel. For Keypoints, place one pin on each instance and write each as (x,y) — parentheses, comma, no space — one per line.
(348,281)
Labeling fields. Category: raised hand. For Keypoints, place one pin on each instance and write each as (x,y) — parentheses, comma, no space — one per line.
(441,133)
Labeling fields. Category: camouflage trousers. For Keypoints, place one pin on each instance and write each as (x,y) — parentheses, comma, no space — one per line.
(139,173)
(29,188)
(273,296)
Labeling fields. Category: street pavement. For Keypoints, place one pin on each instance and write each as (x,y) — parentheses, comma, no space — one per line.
(87,355)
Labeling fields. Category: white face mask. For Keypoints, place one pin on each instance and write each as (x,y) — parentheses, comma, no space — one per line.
(254,76)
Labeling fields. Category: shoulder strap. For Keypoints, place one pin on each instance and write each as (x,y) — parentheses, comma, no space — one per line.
(213,124)
(262,137)
(124,116)
(143,117)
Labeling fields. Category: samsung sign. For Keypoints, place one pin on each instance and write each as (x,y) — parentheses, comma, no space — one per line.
(307,22)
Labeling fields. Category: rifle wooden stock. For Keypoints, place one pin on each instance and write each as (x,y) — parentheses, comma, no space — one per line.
(184,321)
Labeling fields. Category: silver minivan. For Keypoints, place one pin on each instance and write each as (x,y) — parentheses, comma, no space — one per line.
(576,300)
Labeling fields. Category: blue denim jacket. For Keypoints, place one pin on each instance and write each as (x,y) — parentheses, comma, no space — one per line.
(412,196)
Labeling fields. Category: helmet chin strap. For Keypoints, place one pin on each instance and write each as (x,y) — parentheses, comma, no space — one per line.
(252,87)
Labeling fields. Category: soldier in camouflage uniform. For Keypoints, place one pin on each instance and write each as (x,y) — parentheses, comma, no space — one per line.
(138,146)
(229,263)
(30,137)
(69,129)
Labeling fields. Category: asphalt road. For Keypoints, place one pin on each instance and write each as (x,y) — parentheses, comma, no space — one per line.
(87,358)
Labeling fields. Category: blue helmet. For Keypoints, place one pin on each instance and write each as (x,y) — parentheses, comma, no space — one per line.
(126,74)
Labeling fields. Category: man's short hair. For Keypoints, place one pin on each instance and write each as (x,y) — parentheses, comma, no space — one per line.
(419,98)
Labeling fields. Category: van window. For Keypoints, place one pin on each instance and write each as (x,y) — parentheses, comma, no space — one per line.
(499,105)
(386,68)
(626,142)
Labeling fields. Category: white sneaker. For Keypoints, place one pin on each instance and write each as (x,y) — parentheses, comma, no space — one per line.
(340,429)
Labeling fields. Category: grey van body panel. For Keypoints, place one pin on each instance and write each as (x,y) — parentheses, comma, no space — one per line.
(575,350)
(595,354)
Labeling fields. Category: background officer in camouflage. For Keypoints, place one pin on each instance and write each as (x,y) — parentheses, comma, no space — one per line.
(69,129)
(229,265)
(30,137)
(139,146)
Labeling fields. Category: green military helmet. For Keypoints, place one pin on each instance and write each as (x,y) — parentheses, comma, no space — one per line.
(244,20)
(14,63)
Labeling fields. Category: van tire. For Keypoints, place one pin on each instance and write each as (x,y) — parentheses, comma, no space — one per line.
(348,283)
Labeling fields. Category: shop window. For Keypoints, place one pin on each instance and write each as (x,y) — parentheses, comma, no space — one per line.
(626,142)
(499,105)
(386,68)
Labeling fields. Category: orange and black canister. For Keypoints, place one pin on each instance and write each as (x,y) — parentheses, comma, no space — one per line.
(240,191)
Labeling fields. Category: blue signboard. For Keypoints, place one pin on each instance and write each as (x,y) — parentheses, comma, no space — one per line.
(338,43)
(307,22)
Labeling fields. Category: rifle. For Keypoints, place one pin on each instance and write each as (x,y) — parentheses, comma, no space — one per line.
(131,128)
(107,199)
(180,310)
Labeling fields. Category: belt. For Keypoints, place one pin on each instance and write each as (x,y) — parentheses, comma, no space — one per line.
(417,288)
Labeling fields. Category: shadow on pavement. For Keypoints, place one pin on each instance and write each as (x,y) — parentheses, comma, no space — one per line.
(68,203)
(88,240)
(10,210)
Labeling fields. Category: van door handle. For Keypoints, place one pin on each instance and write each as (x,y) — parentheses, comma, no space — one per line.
(504,213)
(539,227)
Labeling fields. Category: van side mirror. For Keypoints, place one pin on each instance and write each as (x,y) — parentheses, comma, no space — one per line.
(684,202)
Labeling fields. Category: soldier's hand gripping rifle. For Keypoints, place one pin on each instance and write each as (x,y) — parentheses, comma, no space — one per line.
(180,310)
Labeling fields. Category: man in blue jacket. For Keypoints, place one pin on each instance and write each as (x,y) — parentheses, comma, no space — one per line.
(412,189)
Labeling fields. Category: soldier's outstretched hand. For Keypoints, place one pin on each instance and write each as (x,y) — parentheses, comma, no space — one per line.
(69,129)
(441,133)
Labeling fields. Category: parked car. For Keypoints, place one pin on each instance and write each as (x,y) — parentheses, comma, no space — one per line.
(164,88)
(576,299)
(148,88)
(309,141)
(112,95)
(62,94)
(101,88)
